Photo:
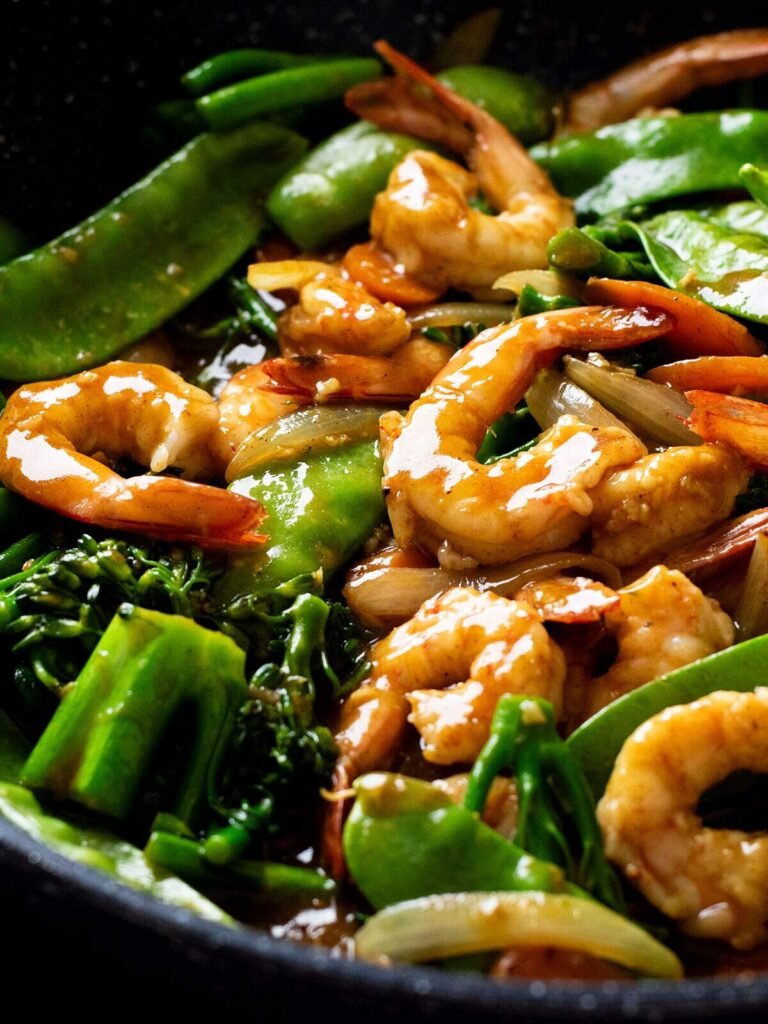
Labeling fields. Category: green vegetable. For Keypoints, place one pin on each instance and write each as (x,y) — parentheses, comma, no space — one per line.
(186,858)
(314,83)
(321,509)
(756,181)
(237,64)
(147,665)
(331,190)
(405,839)
(12,241)
(646,160)
(576,251)
(531,301)
(523,105)
(743,216)
(708,260)
(596,744)
(556,816)
(511,434)
(129,267)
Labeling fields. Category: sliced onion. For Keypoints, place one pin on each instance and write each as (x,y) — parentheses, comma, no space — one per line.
(752,610)
(287,273)
(552,396)
(656,410)
(547,282)
(385,597)
(313,428)
(456,314)
(453,924)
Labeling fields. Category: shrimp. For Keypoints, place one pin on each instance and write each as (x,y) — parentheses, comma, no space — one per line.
(333,314)
(664,77)
(248,403)
(400,377)
(713,881)
(643,507)
(440,496)
(662,622)
(56,436)
(480,646)
(424,218)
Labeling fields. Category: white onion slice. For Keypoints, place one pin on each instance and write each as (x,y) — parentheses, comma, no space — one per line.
(552,396)
(654,409)
(548,282)
(313,428)
(385,597)
(453,924)
(456,314)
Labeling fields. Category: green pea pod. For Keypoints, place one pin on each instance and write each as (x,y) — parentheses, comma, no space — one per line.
(233,65)
(646,160)
(756,181)
(575,251)
(531,301)
(12,242)
(146,666)
(129,267)
(708,261)
(522,104)
(315,83)
(743,216)
(332,189)
(596,743)
(405,839)
(320,508)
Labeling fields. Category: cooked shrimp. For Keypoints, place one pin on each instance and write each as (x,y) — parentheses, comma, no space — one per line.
(739,422)
(424,218)
(442,498)
(479,646)
(714,881)
(398,378)
(662,622)
(333,314)
(640,509)
(664,77)
(56,436)
(247,403)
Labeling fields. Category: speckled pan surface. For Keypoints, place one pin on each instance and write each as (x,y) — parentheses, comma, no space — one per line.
(76,80)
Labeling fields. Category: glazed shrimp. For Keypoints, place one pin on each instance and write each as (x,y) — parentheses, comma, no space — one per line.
(56,436)
(247,403)
(713,881)
(662,622)
(424,218)
(667,76)
(440,496)
(333,314)
(479,646)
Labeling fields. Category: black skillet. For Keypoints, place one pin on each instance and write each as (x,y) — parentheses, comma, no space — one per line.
(76,81)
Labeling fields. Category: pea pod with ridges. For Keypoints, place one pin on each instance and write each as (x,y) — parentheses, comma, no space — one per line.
(120,274)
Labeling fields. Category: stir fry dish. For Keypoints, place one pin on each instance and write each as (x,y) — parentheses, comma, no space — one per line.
(385,514)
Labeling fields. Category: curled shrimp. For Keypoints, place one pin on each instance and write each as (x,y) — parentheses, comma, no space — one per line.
(662,621)
(442,497)
(247,402)
(664,77)
(713,881)
(56,436)
(333,314)
(424,218)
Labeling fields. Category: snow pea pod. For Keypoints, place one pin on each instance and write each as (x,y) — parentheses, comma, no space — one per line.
(128,268)
(320,509)
(742,216)
(233,65)
(521,103)
(12,241)
(756,181)
(650,159)
(314,83)
(596,744)
(398,821)
(708,260)
(575,251)
(331,190)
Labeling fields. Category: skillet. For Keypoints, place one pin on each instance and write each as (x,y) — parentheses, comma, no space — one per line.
(75,86)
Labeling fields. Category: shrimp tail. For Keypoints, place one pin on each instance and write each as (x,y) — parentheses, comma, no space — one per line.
(179,510)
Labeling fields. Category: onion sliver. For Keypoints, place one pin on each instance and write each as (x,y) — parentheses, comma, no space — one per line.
(654,409)
(313,428)
(752,610)
(453,924)
(552,396)
(547,282)
(456,314)
(385,597)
